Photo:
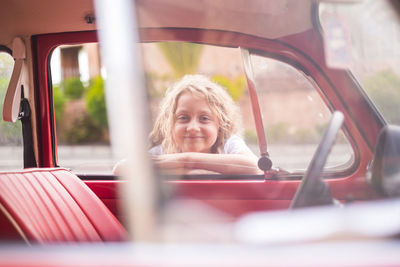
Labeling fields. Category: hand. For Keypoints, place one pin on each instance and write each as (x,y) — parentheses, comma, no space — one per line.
(177,164)
(171,162)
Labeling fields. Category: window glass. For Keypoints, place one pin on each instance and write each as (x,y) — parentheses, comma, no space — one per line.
(294,116)
(80,111)
(366,35)
(166,63)
(11,153)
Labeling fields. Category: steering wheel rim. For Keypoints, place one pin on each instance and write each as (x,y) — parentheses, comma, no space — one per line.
(313,191)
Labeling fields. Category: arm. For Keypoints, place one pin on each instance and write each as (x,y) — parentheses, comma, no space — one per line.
(240,163)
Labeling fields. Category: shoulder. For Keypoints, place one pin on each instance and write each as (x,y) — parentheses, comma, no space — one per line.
(234,138)
(156,150)
(235,144)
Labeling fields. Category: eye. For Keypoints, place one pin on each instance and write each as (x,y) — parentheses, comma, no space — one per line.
(205,118)
(182,118)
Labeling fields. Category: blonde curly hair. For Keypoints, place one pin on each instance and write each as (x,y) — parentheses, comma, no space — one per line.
(220,103)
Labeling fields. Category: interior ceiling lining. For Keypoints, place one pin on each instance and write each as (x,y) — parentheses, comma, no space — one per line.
(263,18)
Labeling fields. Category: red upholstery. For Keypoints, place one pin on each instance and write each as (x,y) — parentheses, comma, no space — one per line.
(53,205)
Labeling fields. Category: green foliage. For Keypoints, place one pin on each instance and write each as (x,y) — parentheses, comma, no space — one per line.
(235,87)
(182,57)
(281,133)
(3,88)
(278,132)
(305,136)
(95,103)
(81,120)
(250,137)
(320,128)
(384,90)
(59,103)
(6,65)
(73,88)
(10,133)
(83,131)
(151,79)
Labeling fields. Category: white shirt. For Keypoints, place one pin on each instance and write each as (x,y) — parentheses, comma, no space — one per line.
(233,145)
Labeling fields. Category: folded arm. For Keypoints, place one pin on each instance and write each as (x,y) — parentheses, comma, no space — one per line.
(241,163)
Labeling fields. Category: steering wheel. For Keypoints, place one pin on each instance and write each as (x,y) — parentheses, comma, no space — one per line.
(313,190)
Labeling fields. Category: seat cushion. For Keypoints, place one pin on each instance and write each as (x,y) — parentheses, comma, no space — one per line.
(53,205)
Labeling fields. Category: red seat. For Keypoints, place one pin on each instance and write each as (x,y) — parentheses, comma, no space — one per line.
(53,205)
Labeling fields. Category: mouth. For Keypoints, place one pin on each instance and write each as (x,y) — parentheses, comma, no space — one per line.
(193,137)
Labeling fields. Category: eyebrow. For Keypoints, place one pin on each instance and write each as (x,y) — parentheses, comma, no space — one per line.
(209,112)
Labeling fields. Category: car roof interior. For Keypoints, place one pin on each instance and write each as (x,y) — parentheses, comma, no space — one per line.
(267,19)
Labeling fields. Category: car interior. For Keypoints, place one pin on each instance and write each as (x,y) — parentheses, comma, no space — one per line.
(45,202)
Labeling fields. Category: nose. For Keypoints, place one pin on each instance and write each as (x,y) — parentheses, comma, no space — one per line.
(193,125)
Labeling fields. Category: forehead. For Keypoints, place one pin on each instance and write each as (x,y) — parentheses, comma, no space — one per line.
(192,101)
(190,95)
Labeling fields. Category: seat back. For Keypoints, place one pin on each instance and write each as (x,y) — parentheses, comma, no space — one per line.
(384,170)
(53,205)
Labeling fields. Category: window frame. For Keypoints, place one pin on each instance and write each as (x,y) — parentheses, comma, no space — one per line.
(280,47)
(43,45)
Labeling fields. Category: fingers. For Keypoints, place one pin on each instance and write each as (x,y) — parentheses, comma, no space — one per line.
(168,161)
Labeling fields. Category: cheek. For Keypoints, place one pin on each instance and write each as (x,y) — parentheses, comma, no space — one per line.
(213,132)
(177,131)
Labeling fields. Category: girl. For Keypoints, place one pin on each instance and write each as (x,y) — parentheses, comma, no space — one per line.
(196,131)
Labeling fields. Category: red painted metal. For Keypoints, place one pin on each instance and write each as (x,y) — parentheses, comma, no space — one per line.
(235,198)
(306,51)
(337,87)
(42,46)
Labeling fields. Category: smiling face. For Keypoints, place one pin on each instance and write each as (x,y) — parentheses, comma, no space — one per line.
(195,125)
